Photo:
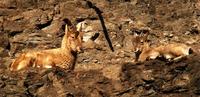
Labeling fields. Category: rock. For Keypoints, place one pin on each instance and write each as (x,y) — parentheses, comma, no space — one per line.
(8,4)
(38,18)
(4,40)
(8,12)
(111,26)
(3,52)
(174,89)
(56,87)
(86,26)
(13,27)
(182,80)
(195,82)
(147,75)
(1,23)
(2,84)
(112,71)
(191,41)
(54,28)
(198,5)
(17,3)
(5,45)
(89,44)
(72,11)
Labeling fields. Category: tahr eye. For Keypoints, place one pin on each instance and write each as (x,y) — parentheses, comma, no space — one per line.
(72,37)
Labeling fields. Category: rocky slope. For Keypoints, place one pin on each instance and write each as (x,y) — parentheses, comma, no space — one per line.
(107,67)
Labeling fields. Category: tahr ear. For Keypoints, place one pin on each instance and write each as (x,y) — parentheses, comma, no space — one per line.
(79,27)
(66,29)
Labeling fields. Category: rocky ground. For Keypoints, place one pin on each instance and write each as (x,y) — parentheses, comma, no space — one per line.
(101,71)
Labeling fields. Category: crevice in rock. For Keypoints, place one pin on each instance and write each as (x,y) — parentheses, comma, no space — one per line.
(13,33)
(41,26)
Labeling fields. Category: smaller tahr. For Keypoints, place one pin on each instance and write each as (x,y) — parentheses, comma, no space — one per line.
(168,51)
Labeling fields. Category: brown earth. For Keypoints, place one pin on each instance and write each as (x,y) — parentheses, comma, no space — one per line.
(99,71)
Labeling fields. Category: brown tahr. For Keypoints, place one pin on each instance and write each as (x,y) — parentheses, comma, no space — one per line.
(60,57)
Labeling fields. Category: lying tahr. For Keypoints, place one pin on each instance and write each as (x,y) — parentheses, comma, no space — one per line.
(63,57)
(168,51)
